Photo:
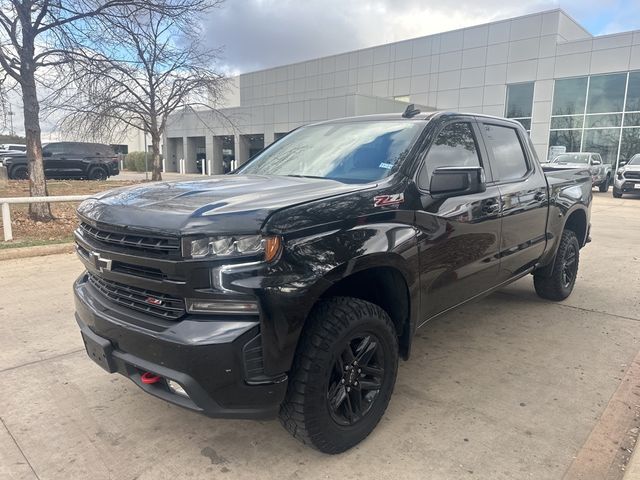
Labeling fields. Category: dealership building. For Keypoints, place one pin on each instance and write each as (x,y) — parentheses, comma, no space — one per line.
(571,90)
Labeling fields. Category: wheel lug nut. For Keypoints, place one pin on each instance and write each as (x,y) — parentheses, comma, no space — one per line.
(359,370)
(342,381)
(348,389)
(348,367)
(355,383)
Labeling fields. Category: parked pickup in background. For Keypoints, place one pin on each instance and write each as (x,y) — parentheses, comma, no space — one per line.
(601,173)
(91,161)
(292,286)
(628,178)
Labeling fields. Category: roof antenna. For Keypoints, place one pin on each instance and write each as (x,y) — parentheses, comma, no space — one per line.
(411,111)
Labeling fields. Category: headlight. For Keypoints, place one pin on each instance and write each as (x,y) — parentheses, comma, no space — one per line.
(233,246)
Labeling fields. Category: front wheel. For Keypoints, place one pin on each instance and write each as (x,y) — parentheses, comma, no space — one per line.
(617,193)
(604,186)
(21,172)
(559,284)
(343,375)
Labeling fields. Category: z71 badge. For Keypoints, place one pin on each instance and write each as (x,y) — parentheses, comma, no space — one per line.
(387,200)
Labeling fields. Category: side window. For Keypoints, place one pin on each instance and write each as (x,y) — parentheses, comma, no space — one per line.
(455,146)
(54,148)
(509,161)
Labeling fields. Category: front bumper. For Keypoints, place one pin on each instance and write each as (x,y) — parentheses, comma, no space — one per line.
(626,185)
(207,357)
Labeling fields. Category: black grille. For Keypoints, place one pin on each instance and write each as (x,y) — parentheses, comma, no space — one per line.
(158,245)
(632,175)
(153,303)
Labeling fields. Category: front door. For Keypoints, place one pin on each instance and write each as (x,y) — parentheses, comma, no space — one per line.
(458,237)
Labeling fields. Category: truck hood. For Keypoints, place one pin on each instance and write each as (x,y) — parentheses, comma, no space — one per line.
(561,166)
(220,204)
(631,168)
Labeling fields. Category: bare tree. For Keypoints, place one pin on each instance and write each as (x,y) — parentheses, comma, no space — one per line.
(39,35)
(150,65)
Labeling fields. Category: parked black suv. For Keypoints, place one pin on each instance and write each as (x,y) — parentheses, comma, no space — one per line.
(92,161)
(293,285)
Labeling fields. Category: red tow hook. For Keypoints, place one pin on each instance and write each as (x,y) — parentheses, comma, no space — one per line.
(149,378)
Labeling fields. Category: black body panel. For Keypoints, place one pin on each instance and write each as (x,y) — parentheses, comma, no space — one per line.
(441,252)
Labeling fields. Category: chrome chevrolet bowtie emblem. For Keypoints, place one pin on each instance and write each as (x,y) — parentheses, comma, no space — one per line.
(100,263)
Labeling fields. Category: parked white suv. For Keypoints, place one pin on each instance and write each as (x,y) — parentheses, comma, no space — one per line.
(627,179)
(14,147)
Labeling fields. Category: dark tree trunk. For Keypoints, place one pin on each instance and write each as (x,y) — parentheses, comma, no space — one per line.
(157,161)
(37,180)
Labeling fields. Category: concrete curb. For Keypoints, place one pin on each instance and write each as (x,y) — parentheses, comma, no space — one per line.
(38,251)
(632,471)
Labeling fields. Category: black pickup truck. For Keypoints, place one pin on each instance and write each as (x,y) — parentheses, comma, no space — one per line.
(91,161)
(292,286)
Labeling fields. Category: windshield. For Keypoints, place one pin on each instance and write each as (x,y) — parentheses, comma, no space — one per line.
(356,152)
(635,160)
(572,158)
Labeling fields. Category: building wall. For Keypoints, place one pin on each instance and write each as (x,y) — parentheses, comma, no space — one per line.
(466,70)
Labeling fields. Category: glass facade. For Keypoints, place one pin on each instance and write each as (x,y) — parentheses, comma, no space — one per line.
(519,105)
(600,113)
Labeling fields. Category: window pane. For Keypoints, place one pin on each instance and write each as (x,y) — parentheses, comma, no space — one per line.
(606,93)
(509,161)
(633,92)
(602,121)
(569,96)
(566,122)
(632,119)
(454,147)
(570,139)
(519,100)
(630,143)
(604,142)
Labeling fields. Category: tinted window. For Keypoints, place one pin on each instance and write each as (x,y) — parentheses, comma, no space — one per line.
(509,161)
(519,100)
(569,96)
(606,93)
(455,146)
(54,148)
(633,92)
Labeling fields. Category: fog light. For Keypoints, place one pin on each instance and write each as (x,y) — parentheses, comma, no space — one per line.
(176,388)
(222,306)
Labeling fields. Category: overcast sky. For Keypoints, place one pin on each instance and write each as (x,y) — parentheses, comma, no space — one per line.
(258,34)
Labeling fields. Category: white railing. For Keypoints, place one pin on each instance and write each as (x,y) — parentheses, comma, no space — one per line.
(6,211)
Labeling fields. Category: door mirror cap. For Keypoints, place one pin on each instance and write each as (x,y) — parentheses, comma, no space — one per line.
(595,161)
(455,181)
(46,153)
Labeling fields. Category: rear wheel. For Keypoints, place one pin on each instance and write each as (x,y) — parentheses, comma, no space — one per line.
(559,284)
(343,375)
(97,173)
(20,172)
(604,186)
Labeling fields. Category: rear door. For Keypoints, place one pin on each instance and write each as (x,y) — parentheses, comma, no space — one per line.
(523,193)
(458,237)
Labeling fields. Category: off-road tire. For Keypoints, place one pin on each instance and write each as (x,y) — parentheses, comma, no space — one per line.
(617,193)
(604,186)
(305,412)
(554,286)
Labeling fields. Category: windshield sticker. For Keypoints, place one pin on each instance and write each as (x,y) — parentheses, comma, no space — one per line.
(387,200)
(386,166)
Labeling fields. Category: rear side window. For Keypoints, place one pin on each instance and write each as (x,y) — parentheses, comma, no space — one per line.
(455,146)
(509,161)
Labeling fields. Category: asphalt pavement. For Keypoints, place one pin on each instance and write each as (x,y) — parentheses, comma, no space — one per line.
(511,387)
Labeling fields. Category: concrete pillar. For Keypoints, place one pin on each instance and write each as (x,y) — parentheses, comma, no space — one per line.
(190,146)
(214,155)
(269,137)
(241,149)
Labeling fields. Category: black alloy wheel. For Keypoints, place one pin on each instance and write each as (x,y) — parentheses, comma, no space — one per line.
(356,379)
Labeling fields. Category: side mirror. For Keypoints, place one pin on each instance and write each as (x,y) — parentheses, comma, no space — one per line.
(595,161)
(622,163)
(456,181)
(46,153)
